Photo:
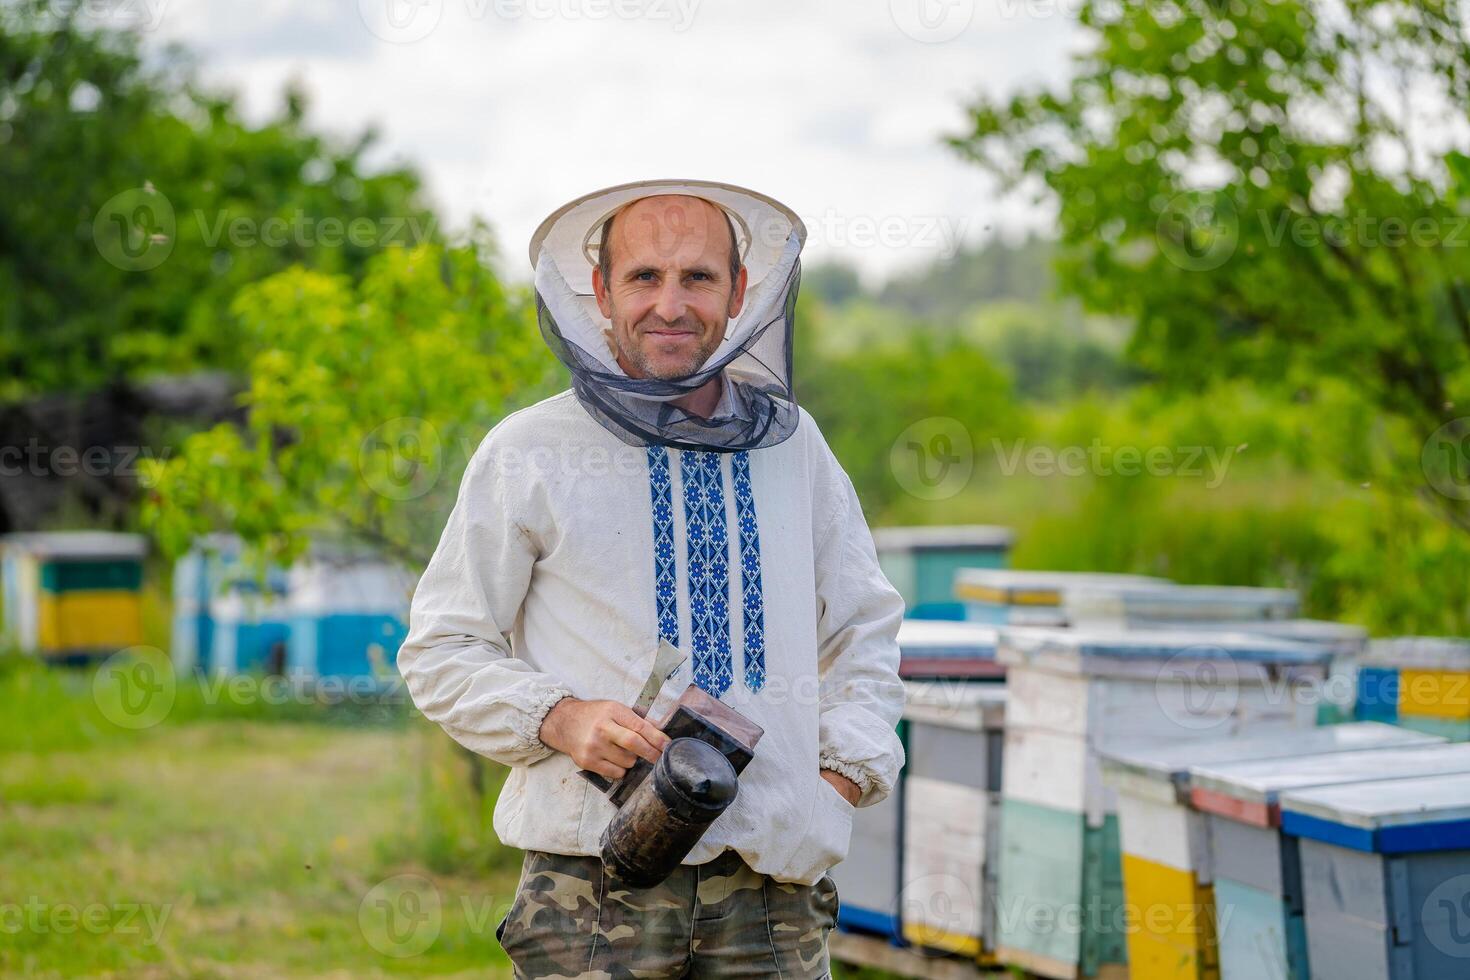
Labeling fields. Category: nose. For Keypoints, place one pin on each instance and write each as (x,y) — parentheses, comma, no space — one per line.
(671,302)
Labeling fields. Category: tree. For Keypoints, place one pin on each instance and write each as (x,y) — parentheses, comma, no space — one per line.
(134,205)
(1269,190)
(366,402)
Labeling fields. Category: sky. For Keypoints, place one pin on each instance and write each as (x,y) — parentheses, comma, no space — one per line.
(513,107)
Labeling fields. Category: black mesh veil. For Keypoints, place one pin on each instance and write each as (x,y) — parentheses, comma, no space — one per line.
(758,404)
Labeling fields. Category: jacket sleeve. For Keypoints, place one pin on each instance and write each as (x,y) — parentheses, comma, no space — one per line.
(457,660)
(858,613)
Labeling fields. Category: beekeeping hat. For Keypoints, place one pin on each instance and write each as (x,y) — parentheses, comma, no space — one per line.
(759,407)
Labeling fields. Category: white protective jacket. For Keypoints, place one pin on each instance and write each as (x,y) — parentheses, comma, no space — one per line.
(567,556)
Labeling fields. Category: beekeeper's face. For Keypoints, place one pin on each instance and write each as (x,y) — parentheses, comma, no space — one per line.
(667,284)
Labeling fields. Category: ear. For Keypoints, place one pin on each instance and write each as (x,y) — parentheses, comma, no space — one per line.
(599,290)
(737,294)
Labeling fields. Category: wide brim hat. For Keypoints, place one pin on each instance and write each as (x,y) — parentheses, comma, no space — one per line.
(755,358)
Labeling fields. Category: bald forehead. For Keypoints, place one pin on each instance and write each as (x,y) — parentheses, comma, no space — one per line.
(670,223)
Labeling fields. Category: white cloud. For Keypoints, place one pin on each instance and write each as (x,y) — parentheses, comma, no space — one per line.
(511,107)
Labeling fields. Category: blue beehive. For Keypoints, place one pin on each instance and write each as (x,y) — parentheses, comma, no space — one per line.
(337,613)
(229,617)
(348,616)
(1386,876)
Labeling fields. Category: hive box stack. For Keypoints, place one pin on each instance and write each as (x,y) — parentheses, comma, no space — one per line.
(921,562)
(1418,682)
(1386,877)
(936,648)
(1076,693)
(1258,883)
(73,594)
(951,815)
(348,615)
(1030,598)
(1167,875)
(868,880)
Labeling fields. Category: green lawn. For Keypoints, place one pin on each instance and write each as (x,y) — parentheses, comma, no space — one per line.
(240,840)
(242,847)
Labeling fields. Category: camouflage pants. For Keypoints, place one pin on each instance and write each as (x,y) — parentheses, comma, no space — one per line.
(571,918)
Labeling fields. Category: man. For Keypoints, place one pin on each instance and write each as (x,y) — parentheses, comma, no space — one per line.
(676,493)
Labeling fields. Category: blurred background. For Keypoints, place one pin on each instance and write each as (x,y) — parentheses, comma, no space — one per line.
(1175,288)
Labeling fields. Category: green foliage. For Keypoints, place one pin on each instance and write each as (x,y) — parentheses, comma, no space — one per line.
(1240,179)
(864,398)
(134,205)
(366,402)
(1051,351)
(954,285)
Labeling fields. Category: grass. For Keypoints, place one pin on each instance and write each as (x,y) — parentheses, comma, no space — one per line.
(242,839)
(239,847)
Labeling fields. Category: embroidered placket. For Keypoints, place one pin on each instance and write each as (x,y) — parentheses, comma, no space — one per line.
(708,565)
(709,569)
(752,600)
(665,575)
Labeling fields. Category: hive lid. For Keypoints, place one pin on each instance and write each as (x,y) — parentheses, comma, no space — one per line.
(1178,603)
(946,638)
(1342,638)
(955,704)
(1264,781)
(77,544)
(1142,653)
(936,537)
(1013,587)
(1420,653)
(1171,761)
(1423,813)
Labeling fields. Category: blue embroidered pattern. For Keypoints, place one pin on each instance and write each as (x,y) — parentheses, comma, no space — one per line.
(665,578)
(709,569)
(752,601)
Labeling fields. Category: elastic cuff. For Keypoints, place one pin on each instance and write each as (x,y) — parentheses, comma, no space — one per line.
(529,737)
(859,776)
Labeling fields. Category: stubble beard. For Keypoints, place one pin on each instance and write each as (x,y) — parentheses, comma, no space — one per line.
(633,352)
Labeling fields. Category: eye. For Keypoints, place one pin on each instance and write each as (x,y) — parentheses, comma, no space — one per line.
(699,275)
(645,276)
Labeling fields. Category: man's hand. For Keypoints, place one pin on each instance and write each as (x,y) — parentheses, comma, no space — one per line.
(603,736)
(849,789)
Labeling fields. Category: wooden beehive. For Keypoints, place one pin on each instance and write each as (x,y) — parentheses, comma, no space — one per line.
(73,593)
(1257,868)
(951,826)
(1385,872)
(1167,875)
(1077,693)
(1030,598)
(921,562)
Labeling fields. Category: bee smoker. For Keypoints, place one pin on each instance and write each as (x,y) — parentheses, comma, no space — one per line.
(664,808)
